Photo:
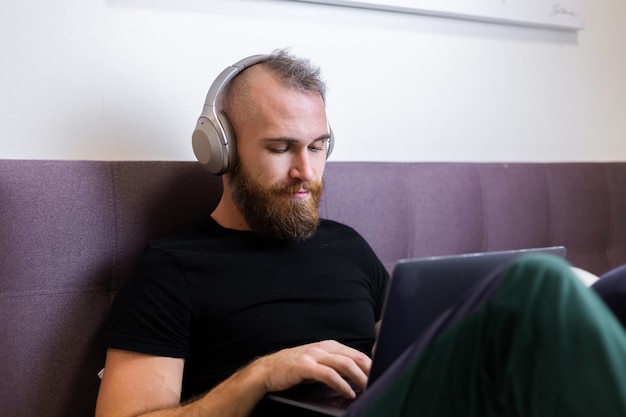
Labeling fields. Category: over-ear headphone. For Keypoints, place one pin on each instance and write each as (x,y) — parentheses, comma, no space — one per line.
(213,139)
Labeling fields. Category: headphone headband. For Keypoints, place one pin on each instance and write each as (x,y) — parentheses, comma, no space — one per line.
(224,78)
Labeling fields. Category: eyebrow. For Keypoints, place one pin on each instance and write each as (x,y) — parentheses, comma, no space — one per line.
(294,140)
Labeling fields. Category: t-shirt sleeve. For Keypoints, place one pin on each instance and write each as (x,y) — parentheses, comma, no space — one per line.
(380,279)
(151,313)
(378,275)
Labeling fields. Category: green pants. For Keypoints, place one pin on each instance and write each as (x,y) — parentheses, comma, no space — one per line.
(542,345)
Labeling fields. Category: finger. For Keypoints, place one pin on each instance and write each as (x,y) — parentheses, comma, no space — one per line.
(345,362)
(353,358)
(335,381)
(347,367)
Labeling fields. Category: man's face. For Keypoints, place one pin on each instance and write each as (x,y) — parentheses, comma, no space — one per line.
(281,146)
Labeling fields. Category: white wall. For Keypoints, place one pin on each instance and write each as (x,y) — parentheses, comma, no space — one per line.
(126,79)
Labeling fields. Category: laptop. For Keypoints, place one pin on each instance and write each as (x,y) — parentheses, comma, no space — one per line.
(420,290)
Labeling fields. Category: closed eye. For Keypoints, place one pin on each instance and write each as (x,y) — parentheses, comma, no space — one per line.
(283,145)
(319,145)
(278,149)
(279,145)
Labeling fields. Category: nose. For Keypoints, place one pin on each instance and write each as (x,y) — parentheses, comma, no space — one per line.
(301,167)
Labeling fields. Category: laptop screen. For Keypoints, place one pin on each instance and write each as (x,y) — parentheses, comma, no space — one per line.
(422,289)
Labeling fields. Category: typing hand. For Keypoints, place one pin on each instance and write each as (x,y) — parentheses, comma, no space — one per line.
(327,361)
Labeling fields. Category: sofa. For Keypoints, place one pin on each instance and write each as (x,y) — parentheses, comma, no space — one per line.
(71,231)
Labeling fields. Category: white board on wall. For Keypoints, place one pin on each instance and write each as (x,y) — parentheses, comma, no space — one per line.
(558,14)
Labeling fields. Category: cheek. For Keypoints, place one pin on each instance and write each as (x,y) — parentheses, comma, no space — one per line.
(319,166)
(258,166)
(268,173)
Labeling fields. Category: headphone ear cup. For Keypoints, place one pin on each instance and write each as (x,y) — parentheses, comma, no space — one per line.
(230,142)
(331,142)
(209,145)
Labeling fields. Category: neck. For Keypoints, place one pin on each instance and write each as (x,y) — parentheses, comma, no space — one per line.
(227,215)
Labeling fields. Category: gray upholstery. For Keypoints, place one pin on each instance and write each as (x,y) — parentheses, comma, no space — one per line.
(70,232)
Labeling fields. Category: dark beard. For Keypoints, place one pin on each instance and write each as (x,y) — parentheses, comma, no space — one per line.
(269,214)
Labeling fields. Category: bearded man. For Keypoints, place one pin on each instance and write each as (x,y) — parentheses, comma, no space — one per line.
(262,294)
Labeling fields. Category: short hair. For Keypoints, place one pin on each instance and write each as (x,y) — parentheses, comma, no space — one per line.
(294,72)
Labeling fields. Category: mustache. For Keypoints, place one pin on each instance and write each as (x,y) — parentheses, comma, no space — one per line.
(313,186)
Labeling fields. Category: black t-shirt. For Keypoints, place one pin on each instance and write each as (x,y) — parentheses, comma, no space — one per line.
(220,298)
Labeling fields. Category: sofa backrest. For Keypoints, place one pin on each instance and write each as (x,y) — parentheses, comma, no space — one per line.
(424,209)
(71,231)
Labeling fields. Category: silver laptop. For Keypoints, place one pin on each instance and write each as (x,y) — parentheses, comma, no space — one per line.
(419,291)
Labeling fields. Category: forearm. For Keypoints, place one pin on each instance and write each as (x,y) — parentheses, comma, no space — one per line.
(237,396)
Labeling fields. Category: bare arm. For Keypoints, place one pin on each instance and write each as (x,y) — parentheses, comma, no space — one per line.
(136,384)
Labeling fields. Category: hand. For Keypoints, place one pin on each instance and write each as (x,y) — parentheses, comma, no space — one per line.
(328,362)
